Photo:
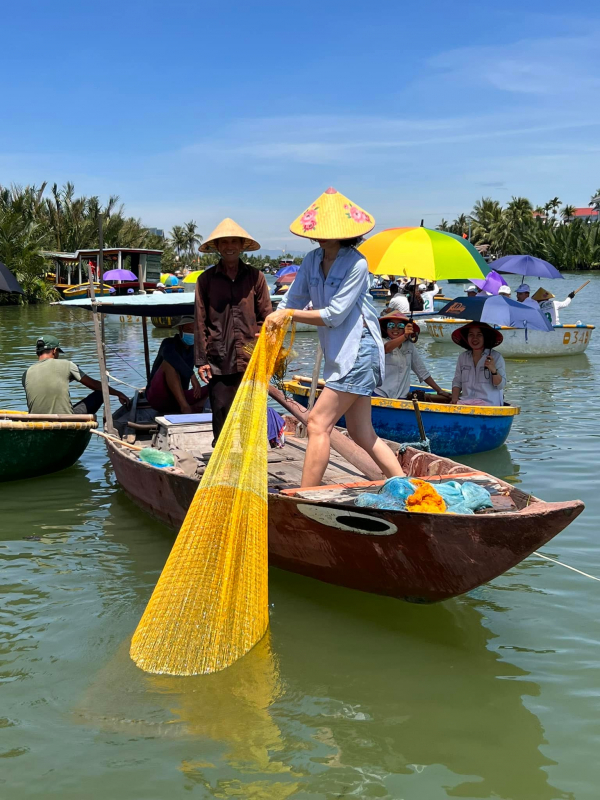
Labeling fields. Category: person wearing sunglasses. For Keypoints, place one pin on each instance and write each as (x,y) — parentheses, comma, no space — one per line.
(480,375)
(402,357)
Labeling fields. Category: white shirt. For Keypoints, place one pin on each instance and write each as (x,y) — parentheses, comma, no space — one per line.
(549,308)
(428,304)
(343,301)
(398,364)
(399,302)
(472,380)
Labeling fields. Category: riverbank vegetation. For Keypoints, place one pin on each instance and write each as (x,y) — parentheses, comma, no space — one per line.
(550,232)
(36,219)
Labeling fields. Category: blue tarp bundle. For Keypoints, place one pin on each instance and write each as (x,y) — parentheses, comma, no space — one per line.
(460,498)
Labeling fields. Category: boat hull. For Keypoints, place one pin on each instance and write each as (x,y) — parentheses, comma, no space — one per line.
(28,453)
(452,430)
(421,558)
(564,340)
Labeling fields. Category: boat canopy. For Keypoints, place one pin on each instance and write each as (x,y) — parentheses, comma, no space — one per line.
(157,304)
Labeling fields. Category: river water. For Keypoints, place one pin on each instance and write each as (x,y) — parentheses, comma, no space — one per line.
(491,695)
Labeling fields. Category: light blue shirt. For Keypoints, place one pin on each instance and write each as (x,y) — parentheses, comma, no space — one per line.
(344,304)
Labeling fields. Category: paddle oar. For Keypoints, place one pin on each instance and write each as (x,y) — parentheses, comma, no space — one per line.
(422,435)
(583,285)
(315,377)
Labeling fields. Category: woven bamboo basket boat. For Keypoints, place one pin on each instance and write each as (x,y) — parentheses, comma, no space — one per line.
(37,444)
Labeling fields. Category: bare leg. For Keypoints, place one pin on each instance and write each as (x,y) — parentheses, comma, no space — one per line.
(330,406)
(360,428)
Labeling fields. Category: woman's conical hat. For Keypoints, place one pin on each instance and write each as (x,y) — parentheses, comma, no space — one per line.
(228,228)
(333,216)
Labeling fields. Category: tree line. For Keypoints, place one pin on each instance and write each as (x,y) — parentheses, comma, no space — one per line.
(548,231)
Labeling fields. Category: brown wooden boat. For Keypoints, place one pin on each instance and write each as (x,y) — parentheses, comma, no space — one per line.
(322,534)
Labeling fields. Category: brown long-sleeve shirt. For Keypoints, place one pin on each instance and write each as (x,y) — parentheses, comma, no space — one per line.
(228,314)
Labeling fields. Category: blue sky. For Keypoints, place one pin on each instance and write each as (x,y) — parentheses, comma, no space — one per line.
(203,110)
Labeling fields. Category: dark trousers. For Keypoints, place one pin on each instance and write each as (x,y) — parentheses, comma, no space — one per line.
(89,404)
(221,391)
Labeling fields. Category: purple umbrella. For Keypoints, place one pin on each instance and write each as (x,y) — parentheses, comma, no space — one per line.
(527,265)
(286,270)
(491,283)
(119,275)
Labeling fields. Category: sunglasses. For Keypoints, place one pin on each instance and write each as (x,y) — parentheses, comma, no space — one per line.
(400,325)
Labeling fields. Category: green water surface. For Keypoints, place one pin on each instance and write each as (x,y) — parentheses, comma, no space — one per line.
(491,695)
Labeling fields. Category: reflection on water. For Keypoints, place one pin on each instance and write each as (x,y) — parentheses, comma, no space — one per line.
(487,696)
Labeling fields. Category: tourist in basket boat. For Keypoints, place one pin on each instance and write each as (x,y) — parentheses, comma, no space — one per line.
(401,357)
(232,302)
(46,383)
(549,306)
(169,390)
(480,375)
(335,278)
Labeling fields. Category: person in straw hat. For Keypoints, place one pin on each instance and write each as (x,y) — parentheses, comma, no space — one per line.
(480,377)
(401,357)
(549,306)
(169,390)
(232,302)
(335,279)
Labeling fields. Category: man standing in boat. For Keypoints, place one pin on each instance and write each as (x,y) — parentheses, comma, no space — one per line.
(232,302)
(46,383)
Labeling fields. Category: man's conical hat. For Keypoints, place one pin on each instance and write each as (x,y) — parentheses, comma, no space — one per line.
(333,216)
(542,294)
(228,228)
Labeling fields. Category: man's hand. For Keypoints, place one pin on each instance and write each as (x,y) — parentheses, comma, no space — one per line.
(196,387)
(571,295)
(205,373)
(186,409)
(123,399)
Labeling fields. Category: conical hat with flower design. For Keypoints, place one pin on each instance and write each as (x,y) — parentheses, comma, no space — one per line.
(333,216)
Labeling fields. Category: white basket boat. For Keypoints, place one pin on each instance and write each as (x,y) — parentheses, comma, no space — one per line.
(564,340)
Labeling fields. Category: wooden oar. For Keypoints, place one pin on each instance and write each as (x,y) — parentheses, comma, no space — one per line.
(114,440)
(583,285)
(348,449)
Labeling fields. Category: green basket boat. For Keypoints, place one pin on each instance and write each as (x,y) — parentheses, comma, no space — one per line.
(37,444)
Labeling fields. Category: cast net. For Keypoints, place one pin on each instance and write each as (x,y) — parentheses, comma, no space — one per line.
(210,605)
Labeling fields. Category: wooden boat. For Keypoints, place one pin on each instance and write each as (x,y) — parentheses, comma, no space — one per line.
(379,293)
(83,290)
(452,430)
(37,444)
(162,322)
(565,340)
(322,534)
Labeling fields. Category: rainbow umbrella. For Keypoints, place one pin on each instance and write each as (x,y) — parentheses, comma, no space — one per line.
(423,253)
(193,276)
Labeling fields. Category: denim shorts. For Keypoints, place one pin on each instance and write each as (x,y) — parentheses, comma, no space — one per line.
(365,375)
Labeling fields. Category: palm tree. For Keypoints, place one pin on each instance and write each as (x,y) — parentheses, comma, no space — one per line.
(554,205)
(192,239)
(567,213)
(443,226)
(178,238)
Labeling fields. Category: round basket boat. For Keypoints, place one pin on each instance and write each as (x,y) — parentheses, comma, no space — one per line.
(37,444)
(564,340)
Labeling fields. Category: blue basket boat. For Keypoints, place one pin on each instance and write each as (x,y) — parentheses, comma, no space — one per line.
(452,430)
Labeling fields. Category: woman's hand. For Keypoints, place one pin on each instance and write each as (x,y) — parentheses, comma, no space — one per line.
(491,364)
(408,330)
(276,319)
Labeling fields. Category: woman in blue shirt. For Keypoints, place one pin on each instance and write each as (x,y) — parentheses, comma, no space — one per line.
(335,279)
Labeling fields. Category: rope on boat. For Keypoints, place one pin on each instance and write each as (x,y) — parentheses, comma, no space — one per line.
(556,561)
(118,380)
(424,445)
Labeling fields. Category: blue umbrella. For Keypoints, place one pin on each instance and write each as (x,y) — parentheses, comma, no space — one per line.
(286,271)
(527,265)
(497,310)
(8,282)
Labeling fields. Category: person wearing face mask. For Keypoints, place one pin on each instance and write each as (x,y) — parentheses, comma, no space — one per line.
(480,375)
(232,302)
(169,390)
(402,357)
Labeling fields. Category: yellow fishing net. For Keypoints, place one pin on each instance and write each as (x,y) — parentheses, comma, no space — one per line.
(210,605)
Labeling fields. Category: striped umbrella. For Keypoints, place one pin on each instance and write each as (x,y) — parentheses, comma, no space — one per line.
(423,253)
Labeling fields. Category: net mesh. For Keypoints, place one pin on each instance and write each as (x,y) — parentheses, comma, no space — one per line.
(210,605)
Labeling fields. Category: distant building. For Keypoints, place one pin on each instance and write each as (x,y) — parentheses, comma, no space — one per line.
(157,232)
(586,213)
